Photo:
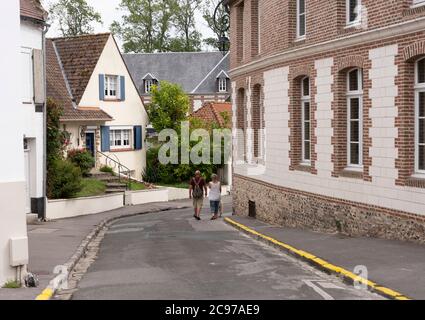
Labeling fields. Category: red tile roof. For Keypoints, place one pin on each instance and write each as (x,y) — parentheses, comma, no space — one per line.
(79,56)
(58,91)
(33,9)
(213,112)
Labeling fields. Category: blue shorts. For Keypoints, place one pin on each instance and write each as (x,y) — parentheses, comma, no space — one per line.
(214,205)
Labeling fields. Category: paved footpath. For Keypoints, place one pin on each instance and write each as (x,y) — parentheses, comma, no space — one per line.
(170,255)
(394,264)
(55,242)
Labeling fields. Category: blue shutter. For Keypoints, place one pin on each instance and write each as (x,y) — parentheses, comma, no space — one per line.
(122,88)
(137,137)
(101,87)
(104,136)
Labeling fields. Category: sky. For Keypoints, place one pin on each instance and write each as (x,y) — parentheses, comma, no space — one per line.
(109,12)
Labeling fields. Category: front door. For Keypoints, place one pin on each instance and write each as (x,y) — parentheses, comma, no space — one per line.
(90,142)
(27,182)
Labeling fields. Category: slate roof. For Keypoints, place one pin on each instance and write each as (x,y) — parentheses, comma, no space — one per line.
(79,56)
(33,9)
(196,72)
(58,91)
(212,112)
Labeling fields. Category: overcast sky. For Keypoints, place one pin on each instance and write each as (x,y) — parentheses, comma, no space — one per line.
(109,12)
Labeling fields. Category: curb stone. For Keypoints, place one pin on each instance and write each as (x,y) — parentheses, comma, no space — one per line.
(54,284)
(347,276)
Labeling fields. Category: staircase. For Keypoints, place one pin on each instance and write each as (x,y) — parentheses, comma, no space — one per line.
(113,183)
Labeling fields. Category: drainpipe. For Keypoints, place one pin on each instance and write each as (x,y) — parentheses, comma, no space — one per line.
(42,215)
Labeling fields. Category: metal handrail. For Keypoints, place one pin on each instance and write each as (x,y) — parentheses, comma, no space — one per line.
(120,166)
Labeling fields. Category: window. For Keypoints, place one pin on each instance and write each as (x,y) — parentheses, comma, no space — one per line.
(111,87)
(26,75)
(120,138)
(353,11)
(305,119)
(222,85)
(148,85)
(354,118)
(301,19)
(420,116)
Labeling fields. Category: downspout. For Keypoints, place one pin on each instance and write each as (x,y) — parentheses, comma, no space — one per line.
(42,215)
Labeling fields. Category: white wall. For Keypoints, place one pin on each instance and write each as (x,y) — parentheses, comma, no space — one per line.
(382,191)
(31,38)
(126,113)
(12,185)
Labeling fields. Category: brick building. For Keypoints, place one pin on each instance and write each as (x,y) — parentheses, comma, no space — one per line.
(329,107)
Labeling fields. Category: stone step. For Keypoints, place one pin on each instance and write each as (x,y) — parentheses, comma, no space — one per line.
(115,190)
(116,185)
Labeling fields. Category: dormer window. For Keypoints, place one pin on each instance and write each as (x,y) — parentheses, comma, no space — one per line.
(222,79)
(149,81)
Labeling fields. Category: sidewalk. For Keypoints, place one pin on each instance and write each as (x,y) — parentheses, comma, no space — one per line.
(54,243)
(394,264)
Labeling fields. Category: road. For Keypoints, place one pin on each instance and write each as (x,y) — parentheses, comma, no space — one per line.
(170,255)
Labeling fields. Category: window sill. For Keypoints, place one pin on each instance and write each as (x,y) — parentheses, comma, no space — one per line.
(416,181)
(122,150)
(353,173)
(353,25)
(112,100)
(304,167)
(300,39)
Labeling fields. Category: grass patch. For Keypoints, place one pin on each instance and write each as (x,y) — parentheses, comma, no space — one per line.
(91,187)
(12,284)
(106,169)
(180,185)
(134,186)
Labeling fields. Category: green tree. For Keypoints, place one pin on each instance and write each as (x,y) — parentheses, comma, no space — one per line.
(188,38)
(145,25)
(221,22)
(169,106)
(75,17)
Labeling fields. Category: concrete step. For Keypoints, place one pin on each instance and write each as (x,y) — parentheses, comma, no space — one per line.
(116,185)
(115,190)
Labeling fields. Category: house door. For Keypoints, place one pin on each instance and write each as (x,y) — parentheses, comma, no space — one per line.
(27,181)
(90,142)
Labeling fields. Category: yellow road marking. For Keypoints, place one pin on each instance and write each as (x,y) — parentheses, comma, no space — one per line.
(322,263)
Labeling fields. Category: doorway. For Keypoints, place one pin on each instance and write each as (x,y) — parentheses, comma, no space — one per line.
(27,178)
(90,144)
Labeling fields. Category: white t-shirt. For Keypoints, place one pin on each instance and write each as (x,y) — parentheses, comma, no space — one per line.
(215,191)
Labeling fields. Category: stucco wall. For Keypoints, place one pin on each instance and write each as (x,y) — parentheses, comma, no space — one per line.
(12,186)
(130,112)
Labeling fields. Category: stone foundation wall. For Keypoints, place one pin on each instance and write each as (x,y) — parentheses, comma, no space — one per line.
(292,208)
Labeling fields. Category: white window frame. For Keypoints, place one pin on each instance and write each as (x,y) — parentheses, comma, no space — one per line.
(419,87)
(304,100)
(350,95)
(107,89)
(148,83)
(112,138)
(299,14)
(28,76)
(222,85)
(358,9)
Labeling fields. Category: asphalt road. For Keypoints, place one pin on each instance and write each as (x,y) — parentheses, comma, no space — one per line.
(170,255)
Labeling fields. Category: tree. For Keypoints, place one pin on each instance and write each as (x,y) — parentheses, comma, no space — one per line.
(145,25)
(169,106)
(75,17)
(221,23)
(188,38)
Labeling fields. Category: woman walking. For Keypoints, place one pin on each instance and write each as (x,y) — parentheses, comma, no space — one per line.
(214,196)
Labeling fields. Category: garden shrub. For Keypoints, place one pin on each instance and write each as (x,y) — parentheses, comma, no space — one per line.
(82,159)
(106,169)
(64,179)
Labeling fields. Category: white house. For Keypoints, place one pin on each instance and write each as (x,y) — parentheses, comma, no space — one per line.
(33,26)
(103,111)
(13,231)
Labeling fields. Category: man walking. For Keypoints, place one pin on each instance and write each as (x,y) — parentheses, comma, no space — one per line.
(196,191)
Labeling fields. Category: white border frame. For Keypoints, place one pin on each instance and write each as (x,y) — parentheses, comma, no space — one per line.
(419,87)
(304,100)
(358,10)
(299,36)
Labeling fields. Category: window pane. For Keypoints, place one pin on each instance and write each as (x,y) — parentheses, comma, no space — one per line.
(306,150)
(421,157)
(301,6)
(421,130)
(302,25)
(421,71)
(306,87)
(421,104)
(354,131)
(354,108)
(353,11)
(307,131)
(353,79)
(354,153)
(307,111)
